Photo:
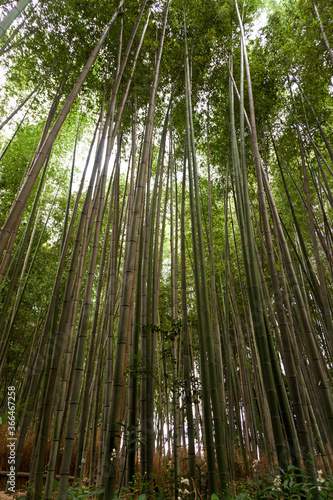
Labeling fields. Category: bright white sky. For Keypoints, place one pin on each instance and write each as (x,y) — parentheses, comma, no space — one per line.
(260,23)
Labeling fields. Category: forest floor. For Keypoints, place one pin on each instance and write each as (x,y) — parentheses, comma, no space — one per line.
(18,494)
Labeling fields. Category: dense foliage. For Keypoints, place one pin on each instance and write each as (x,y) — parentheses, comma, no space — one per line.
(166,247)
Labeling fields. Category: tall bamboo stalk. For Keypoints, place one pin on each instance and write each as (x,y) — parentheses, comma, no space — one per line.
(12,15)
(127,281)
(16,212)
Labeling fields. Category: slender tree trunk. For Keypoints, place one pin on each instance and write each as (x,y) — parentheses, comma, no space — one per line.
(330,51)
(12,15)
(186,350)
(19,205)
(127,281)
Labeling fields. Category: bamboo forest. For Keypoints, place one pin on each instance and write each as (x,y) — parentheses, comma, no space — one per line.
(166,249)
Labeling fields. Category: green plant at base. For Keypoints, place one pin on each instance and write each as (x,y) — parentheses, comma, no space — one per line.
(83,492)
(286,486)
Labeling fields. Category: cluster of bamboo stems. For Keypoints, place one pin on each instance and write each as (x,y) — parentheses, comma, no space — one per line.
(104,371)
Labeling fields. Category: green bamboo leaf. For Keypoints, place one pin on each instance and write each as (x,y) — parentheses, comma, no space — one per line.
(3,418)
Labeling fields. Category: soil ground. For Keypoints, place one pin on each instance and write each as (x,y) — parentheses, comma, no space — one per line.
(4,496)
